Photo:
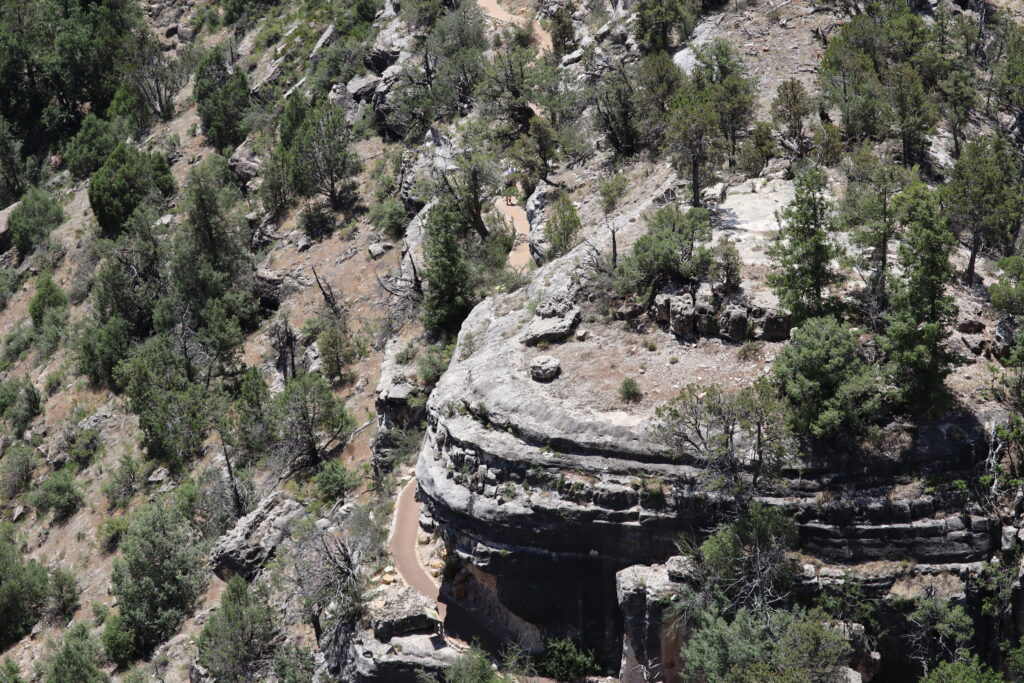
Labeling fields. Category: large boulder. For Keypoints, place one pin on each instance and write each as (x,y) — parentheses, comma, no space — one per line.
(397,611)
(392,40)
(554,321)
(732,323)
(246,548)
(682,317)
(361,88)
(244,162)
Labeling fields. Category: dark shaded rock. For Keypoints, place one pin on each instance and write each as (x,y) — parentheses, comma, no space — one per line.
(732,323)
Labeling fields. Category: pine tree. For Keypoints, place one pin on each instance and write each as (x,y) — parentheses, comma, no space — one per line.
(449,296)
(804,253)
(868,214)
(918,322)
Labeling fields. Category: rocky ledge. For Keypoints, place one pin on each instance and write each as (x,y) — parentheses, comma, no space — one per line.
(545,484)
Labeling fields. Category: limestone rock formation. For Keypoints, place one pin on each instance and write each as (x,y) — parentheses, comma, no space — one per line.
(245,549)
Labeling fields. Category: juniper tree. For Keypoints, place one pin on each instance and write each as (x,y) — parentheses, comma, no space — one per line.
(983,197)
(694,136)
(790,107)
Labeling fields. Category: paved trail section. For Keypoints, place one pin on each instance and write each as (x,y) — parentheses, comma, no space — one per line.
(403,546)
(459,624)
(460,627)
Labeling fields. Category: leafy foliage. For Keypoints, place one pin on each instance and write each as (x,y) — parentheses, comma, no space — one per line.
(222,97)
(91,146)
(22,589)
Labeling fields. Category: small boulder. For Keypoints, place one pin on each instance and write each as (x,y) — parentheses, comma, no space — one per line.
(159,476)
(544,368)
(971,326)
(555,320)
(378,249)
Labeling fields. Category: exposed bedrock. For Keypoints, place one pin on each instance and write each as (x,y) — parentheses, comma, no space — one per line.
(547,489)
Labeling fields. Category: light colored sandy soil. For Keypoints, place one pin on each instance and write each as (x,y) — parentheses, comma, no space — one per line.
(522,17)
(519,258)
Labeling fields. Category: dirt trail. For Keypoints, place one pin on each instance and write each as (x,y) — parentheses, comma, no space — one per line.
(519,257)
(493,10)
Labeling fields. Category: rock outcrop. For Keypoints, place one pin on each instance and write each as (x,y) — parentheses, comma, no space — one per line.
(246,548)
(547,490)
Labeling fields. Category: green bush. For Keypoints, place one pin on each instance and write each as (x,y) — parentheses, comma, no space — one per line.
(672,251)
(829,387)
(131,110)
(32,220)
(390,217)
(563,227)
(118,641)
(48,336)
(9,281)
(48,295)
(293,664)
(90,147)
(100,347)
(9,672)
(111,531)
(120,487)
(84,445)
(237,644)
(16,469)
(59,493)
(963,671)
(21,403)
(222,97)
(62,596)
(78,659)
(758,149)
(22,590)
(335,481)
(432,363)
(563,660)
(317,220)
(16,344)
(126,180)
(156,581)
(629,390)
